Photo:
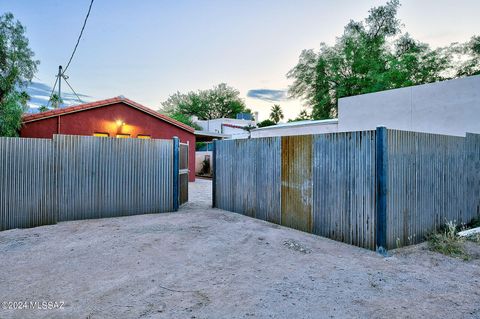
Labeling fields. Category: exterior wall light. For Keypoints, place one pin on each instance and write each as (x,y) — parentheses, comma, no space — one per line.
(120,123)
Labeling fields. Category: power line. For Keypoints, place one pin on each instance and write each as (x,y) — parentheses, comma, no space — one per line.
(53,89)
(79,99)
(79,37)
(61,74)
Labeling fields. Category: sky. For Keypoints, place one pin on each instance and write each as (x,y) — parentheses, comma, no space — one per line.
(147,50)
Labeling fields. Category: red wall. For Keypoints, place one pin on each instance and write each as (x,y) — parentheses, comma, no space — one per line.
(103,120)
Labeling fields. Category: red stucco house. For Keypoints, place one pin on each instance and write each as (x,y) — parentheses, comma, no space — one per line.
(118,117)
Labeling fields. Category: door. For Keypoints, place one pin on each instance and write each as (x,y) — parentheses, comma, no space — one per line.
(183,173)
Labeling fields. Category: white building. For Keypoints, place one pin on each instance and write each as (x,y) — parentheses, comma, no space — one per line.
(448,107)
(297,128)
(233,128)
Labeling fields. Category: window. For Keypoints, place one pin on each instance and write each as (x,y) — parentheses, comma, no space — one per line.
(144,136)
(123,135)
(101,134)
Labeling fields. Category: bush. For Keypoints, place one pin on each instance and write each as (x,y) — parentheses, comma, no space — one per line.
(266,123)
(447,242)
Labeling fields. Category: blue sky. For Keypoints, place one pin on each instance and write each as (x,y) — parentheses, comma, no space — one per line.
(149,49)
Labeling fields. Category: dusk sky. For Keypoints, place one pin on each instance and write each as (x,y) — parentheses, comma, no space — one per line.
(149,49)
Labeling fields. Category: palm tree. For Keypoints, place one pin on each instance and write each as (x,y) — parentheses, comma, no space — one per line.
(55,101)
(276,113)
(43,108)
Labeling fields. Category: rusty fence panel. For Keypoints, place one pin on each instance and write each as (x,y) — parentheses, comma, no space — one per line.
(103,177)
(297,182)
(27,195)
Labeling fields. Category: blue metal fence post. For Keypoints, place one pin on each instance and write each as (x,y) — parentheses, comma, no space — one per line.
(176,172)
(381,188)
(214,166)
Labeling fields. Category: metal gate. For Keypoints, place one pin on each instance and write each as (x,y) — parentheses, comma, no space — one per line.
(183,173)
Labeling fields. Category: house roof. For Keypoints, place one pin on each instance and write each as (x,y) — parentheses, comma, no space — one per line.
(211,134)
(297,124)
(87,106)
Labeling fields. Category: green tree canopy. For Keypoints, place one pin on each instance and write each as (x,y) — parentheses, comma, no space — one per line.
(55,101)
(266,123)
(372,55)
(17,67)
(302,116)
(220,101)
(276,113)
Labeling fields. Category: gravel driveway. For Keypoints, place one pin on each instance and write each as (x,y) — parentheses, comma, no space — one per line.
(209,263)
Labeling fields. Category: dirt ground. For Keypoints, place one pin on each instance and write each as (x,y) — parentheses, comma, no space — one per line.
(208,263)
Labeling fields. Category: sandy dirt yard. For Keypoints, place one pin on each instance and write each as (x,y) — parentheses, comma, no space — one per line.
(208,263)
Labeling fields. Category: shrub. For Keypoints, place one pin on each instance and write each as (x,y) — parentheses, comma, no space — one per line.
(447,242)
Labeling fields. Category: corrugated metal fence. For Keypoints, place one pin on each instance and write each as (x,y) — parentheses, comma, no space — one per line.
(27,195)
(104,177)
(79,177)
(432,179)
(372,189)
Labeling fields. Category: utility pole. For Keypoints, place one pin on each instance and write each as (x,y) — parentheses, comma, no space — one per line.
(59,84)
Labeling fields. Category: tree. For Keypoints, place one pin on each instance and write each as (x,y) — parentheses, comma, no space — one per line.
(17,67)
(55,101)
(468,55)
(43,108)
(370,56)
(185,120)
(302,116)
(220,101)
(276,113)
(266,123)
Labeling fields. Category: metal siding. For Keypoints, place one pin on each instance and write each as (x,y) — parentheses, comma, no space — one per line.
(27,198)
(102,177)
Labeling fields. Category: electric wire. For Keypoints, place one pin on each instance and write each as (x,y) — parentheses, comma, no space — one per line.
(79,99)
(71,57)
(79,37)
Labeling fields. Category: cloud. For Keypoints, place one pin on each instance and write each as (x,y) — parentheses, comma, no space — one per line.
(268,95)
(40,93)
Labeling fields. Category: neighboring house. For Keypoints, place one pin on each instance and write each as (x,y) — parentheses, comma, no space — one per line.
(233,128)
(223,128)
(449,107)
(297,128)
(117,117)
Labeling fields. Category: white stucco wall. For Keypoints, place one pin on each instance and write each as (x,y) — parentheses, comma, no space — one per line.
(216,124)
(297,128)
(449,107)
